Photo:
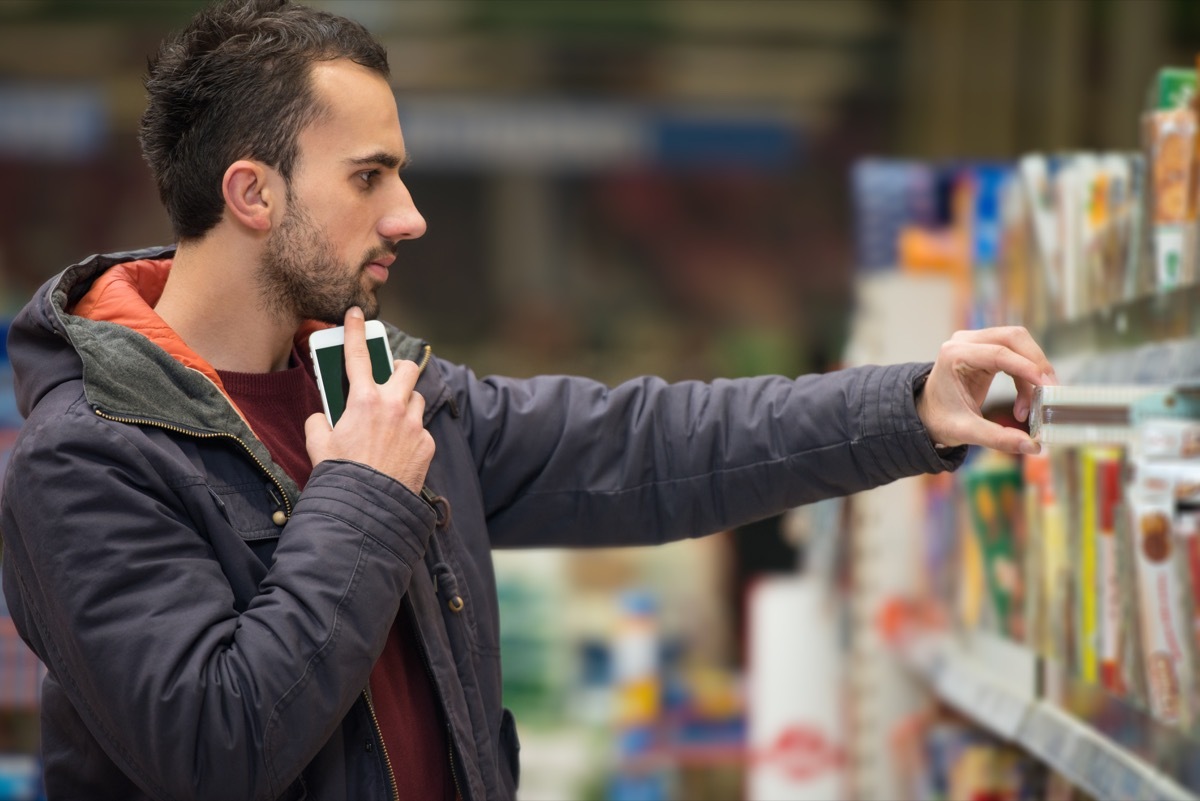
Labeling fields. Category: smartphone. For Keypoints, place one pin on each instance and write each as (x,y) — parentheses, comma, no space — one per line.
(329,361)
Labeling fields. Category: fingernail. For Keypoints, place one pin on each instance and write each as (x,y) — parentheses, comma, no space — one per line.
(355,312)
(1049,380)
(1021,411)
(1031,448)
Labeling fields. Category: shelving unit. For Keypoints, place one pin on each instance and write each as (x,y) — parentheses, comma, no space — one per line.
(985,678)
(1106,746)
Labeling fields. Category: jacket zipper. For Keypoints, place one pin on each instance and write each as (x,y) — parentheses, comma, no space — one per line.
(387,760)
(433,683)
(210,435)
(288,506)
(204,435)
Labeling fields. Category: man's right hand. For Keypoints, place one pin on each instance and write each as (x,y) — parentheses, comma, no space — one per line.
(382,424)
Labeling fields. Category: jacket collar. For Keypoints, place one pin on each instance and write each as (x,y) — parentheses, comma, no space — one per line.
(136,369)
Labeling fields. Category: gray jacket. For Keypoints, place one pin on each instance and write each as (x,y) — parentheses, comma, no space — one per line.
(208,630)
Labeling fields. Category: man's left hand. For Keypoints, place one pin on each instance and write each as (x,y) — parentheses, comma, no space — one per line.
(950,404)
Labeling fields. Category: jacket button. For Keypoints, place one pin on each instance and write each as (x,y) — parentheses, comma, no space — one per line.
(279,518)
(455,603)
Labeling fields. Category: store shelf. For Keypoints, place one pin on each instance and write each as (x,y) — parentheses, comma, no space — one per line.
(987,680)
(1089,760)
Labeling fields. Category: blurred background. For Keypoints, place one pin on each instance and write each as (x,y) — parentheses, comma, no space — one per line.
(614,188)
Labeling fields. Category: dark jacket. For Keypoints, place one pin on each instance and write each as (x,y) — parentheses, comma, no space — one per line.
(208,630)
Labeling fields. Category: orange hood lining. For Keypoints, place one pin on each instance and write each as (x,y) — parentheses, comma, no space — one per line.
(127,293)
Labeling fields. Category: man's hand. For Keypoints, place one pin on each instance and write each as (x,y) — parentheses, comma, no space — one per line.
(950,403)
(382,424)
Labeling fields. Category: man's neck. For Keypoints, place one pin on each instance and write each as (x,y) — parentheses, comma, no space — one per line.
(211,301)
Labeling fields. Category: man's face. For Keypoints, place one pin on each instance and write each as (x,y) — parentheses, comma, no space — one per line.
(346,208)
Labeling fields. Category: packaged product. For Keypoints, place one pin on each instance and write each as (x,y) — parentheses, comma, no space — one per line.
(1114,208)
(1131,667)
(1068,212)
(1035,474)
(1139,265)
(1164,647)
(1036,171)
(1172,87)
(1057,574)
(1083,415)
(1169,136)
(1091,186)
(987,184)
(1108,465)
(1019,287)
(941,559)
(986,770)
(993,495)
(1164,497)
(1097,610)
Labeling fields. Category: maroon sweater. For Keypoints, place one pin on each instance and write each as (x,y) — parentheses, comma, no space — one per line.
(410,719)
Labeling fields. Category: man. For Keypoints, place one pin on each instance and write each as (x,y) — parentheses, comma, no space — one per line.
(234,600)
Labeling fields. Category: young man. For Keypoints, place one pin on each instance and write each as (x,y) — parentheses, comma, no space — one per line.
(234,600)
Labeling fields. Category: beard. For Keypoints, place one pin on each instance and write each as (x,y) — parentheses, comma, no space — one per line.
(301,277)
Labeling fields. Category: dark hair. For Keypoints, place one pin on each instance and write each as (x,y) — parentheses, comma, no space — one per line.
(235,83)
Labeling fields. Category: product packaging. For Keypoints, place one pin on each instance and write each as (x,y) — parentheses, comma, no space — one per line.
(992,489)
(1107,467)
(1057,574)
(1097,611)
(1068,213)
(1170,141)
(1036,172)
(1163,493)
(1035,474)
(1082,415)
(1172,87)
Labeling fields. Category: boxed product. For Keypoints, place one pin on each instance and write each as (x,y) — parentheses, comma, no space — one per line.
(1170,142)
(993,494)
(1082,415)
(1172,87)
(1164,490)
(1109,591)
(1035,474)
(1098,611)
(1057,573)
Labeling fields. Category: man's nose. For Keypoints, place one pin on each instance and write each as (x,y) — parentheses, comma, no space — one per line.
(403,221)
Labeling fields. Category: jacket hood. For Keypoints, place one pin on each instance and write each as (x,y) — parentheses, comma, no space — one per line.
(132,367)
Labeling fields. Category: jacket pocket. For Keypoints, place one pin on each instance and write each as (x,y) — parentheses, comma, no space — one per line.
(510,746)
(248,508)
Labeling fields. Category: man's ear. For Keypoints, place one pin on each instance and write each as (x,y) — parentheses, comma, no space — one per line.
(248,196)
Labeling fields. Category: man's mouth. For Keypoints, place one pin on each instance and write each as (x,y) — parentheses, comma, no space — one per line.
(378,268)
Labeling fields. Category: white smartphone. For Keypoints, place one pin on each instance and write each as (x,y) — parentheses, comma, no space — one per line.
(329,361)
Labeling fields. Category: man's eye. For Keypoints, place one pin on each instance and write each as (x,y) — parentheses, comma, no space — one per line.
(368,176)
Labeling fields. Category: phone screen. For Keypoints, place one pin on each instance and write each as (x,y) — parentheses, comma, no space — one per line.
(335,382)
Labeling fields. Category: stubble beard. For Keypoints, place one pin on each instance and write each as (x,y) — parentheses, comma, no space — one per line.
(302,279)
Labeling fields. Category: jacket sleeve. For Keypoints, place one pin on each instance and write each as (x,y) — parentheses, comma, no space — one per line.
(192,697)
(568,461)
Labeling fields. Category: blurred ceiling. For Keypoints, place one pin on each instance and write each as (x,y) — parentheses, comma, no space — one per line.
(939,78)
(792,58)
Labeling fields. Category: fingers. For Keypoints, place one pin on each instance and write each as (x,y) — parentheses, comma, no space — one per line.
(998,437)
(1011,350)
(316,437)
(358,358)
(404,377)
(1016,338)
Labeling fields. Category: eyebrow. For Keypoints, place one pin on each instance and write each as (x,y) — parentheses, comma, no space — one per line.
(382,158)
